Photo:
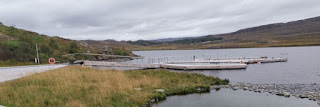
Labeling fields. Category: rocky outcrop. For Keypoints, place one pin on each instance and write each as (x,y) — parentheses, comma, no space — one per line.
(107,50)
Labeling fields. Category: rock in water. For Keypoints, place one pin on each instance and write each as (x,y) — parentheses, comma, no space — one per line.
(286,94)
(245,88)
(235,88)
(217,88)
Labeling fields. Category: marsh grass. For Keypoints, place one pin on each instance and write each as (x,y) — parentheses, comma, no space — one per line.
(85,86)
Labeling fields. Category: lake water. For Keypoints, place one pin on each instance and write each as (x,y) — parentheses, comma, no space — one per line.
(303,66)
(230,98)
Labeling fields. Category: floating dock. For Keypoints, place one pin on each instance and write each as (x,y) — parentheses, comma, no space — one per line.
(120,64)
(235,60)
(266,60)
(167,66)
(204,67)
(205,64)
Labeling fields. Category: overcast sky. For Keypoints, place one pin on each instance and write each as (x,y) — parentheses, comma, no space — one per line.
(149,19)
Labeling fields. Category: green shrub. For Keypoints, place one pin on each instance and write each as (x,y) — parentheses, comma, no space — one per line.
(53,44)
(118,51)
(13,44)
(73,48)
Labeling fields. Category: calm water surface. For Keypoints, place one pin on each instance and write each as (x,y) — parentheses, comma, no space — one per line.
(303,66)
(230,98)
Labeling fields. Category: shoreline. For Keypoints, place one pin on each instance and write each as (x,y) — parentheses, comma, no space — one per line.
(159,99)
(303,91)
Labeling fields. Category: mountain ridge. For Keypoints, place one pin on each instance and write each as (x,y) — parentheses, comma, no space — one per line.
(305,32)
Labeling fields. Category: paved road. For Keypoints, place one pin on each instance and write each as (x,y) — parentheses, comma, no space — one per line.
(11,73)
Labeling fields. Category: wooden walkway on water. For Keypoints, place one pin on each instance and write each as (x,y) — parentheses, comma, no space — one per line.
(235,60)
(209,64)
(167,66)
(120,64)
(204,67)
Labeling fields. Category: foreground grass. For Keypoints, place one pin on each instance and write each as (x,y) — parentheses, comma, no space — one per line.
(84,86)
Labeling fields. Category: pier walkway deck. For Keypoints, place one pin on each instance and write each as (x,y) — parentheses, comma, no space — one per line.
(167,66)
(205,64)
(235,60)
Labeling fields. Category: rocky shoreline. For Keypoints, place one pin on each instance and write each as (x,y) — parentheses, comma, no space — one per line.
(307,91)
(163,96)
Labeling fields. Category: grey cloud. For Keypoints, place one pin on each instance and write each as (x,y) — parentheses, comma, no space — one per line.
(149,19)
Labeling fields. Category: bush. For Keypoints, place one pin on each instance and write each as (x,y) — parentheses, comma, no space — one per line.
(53,44)
(73,48)
(118,51)
(45,49)
(4,52)
(13,44)
(223,82)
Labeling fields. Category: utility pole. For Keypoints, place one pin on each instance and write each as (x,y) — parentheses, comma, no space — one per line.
(37,54)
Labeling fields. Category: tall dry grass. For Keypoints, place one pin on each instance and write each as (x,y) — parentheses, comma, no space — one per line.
(84,86)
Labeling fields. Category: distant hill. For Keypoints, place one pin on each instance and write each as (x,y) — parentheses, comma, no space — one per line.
(296,33)
(183,41)
(18,47)
(306,26)
(171,39)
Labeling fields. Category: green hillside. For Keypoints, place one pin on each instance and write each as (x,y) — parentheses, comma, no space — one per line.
(18,47)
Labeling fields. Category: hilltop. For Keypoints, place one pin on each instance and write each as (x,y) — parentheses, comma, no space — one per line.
(18,47)
(295,33)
